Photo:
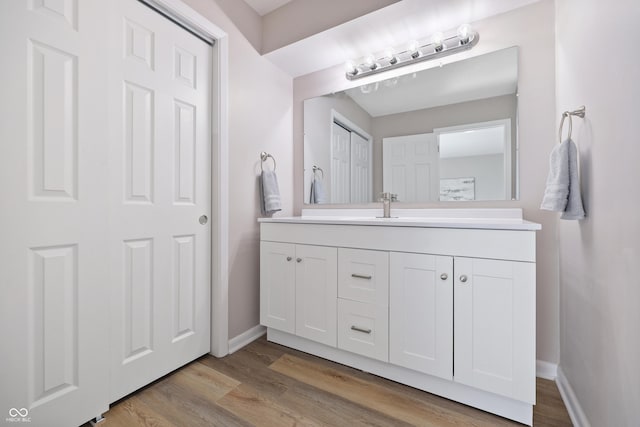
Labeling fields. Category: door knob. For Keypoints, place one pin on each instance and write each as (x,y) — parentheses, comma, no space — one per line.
(288,258)
(298,259)
(444,276)
(463,278)
(203,219)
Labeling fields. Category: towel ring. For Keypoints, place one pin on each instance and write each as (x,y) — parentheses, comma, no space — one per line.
(263,157)
(564,116)
(316,168)
(580,112)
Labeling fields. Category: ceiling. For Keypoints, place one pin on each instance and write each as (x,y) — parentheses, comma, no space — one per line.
(265,6)
(391,26)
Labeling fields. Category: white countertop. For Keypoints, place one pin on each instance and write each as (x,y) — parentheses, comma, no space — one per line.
(490,219)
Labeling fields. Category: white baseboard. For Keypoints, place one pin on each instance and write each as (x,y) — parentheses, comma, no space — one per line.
(246,338)
(577,415)
(546,370)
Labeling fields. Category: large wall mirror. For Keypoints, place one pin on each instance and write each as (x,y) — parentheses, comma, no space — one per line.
(442,134)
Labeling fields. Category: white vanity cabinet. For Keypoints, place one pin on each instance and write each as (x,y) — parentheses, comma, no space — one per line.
(446,308)
(298,290)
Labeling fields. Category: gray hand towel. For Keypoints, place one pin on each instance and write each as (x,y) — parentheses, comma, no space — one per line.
(574,208)
(562,193)
(269,193)
(317,191)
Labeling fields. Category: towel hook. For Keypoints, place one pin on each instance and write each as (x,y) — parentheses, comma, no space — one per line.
(580,112)
(316,168)
(263,158)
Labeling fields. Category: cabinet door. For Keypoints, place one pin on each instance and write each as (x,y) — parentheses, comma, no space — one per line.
(421,313)
(277,286)
(495,326)
(363,276)
(316,293)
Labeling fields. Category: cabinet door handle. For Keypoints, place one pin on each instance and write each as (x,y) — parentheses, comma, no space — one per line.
(298,259)
(360,276)
(463,278)
(364,331)
(444,276)
(289,258)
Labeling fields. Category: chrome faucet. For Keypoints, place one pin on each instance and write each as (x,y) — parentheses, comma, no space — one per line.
(386,199)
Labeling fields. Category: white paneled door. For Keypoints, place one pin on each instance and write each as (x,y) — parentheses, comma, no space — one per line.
(160,102)
(411,167)
(53,226)
(105,182)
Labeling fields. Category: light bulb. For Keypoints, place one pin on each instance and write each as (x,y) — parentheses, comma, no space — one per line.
(388,54)
(437,40)
(350,68)
(414,49)
(370,60)
(464,32)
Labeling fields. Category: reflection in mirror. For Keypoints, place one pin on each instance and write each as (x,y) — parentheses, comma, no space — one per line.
(441,134)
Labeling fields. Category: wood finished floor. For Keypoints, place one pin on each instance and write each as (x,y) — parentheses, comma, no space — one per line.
(265,384)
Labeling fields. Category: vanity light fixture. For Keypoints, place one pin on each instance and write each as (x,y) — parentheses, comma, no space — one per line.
(440,45)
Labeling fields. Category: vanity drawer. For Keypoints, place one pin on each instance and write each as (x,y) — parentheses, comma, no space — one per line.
(363,329)
(363,275)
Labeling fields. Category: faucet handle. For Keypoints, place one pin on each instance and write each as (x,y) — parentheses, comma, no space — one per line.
(384,197)
(394,197)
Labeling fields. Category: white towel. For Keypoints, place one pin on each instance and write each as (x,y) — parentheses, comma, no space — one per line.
(317,191)
(562,193)
(269,193)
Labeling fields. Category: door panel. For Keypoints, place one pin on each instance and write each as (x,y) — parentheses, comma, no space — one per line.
(360,169)
(54,224)
(421,313)
(159,158)
(317,293)
(277,286)
(340,164)
(495,326)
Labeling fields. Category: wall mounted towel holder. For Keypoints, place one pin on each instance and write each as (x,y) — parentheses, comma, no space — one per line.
(263,158)
(580,112)
(316,169)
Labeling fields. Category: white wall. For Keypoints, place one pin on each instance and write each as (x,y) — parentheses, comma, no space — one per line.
(259,120)
(600,285)
(531,28)
(487,170)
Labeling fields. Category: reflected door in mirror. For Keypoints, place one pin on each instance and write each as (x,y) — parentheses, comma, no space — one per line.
(410,167)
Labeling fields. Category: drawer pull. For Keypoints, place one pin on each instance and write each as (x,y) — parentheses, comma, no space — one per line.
(444,276)
(288,258)
(364,331)
(463,278)
(361,276)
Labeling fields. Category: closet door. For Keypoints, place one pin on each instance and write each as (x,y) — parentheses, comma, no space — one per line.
(160,199)
(340,164)
(53,221)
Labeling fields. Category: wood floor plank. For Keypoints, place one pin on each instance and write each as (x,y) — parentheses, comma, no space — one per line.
(184,407)
(204,380)
(248,404)
(396,405)
(134,411)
